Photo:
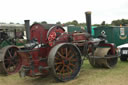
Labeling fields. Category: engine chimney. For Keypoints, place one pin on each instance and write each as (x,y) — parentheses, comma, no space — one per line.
(88,21)
(27,28)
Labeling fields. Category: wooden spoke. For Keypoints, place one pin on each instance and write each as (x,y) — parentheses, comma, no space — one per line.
(57,67)
(60,55)
(71,56)
(62,51)
(70,70)
(62,70)
(15,54)
(58,63)
(66,50)
(57,58)
(9,64)
(9,54)
(69,52)
(71,64)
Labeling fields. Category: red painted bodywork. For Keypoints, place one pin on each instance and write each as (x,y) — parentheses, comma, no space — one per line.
(39,55)
(77,37)
(36,31)
(40,33)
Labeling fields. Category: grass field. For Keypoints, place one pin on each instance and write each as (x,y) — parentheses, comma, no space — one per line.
(88,76)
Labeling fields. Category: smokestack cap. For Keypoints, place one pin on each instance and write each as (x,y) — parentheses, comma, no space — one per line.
(88,12)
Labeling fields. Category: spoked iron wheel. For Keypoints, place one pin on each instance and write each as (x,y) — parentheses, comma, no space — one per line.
(65,61)
(10,61)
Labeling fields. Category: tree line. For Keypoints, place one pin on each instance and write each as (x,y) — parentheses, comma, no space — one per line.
(123,22)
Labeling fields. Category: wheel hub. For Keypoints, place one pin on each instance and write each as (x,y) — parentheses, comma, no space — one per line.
(66,62)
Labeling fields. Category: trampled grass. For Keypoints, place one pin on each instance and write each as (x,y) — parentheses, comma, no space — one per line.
(88,76)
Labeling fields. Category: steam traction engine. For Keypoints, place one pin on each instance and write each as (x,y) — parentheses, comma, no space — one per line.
(58,52)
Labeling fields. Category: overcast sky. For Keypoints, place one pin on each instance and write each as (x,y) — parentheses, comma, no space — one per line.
(53,11)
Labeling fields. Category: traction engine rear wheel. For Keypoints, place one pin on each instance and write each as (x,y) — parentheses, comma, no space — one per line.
(65,62)
(10,61)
